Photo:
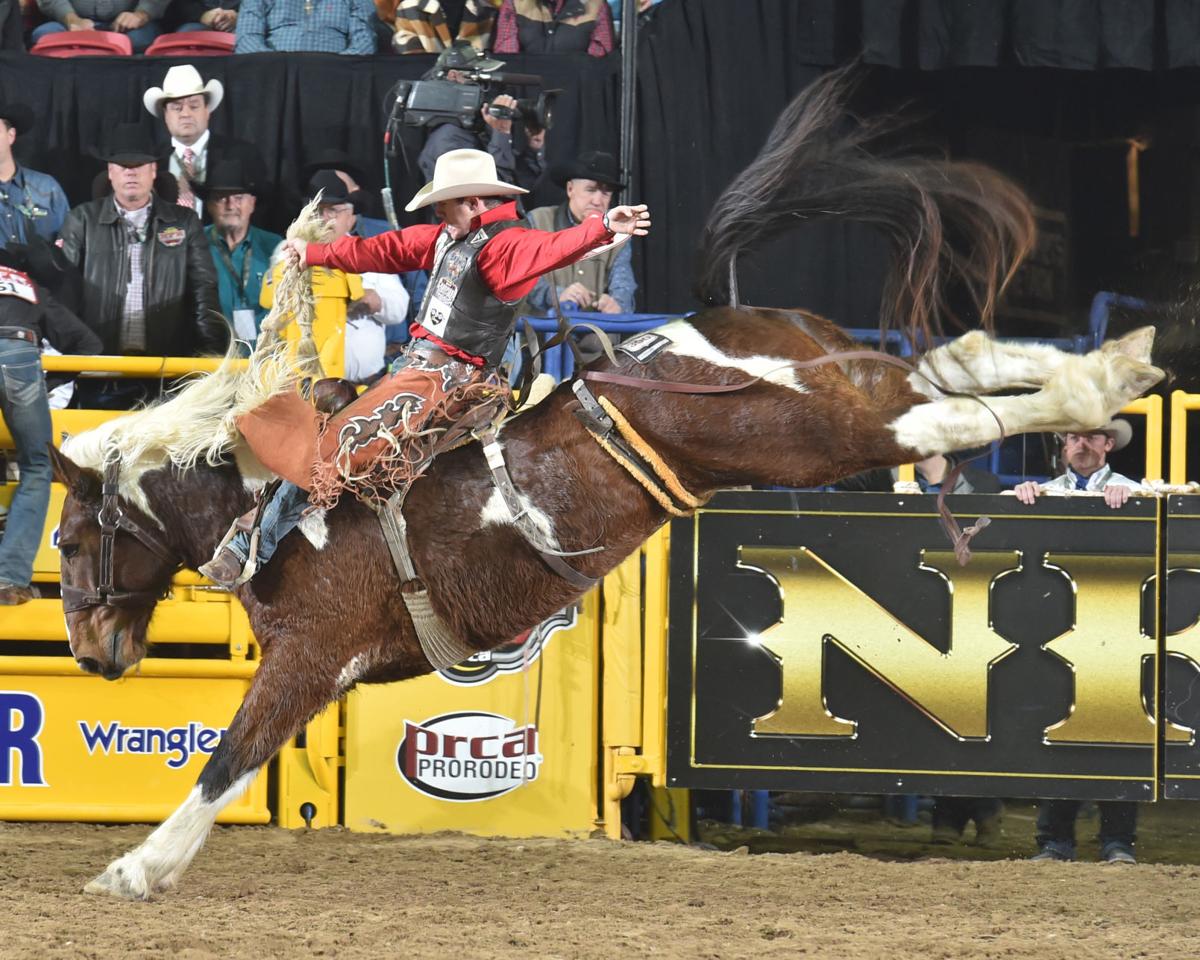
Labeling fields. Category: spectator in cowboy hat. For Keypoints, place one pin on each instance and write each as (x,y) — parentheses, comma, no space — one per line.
(185,104)
(604,283)
(149,283)
(30,202)
(356,180)
(140,19)
(384,302)
(1086,455)
(241,252)
(353,176)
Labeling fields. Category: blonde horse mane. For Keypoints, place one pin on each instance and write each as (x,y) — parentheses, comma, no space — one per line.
(198,421)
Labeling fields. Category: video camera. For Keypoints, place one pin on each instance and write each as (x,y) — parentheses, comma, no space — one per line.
(422,103)
(478,81)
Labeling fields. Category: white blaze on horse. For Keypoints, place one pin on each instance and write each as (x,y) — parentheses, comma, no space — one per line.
(178,473)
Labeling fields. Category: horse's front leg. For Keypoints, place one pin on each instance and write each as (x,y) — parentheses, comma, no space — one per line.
(276,707)
(975,363)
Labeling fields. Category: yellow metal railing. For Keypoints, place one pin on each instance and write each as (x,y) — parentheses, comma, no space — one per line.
(105,366)
(1181,403)
(1151,408)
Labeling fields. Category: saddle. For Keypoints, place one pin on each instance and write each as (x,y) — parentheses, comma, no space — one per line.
(332,394)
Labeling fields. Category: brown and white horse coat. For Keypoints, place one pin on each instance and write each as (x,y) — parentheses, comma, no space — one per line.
(792,428)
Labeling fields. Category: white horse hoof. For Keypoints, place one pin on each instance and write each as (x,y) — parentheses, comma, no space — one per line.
(1136,344)
(119,881)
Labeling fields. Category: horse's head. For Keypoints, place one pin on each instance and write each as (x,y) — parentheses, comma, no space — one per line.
(115,567)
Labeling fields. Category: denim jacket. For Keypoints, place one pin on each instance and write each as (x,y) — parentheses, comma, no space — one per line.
(33,198)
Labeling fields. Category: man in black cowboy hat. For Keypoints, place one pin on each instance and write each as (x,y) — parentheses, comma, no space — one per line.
(385,300)
(30,202)
(241,252)
(605,283)
(149,283)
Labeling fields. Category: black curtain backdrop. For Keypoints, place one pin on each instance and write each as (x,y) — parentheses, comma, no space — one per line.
(291,105)
(1028,85)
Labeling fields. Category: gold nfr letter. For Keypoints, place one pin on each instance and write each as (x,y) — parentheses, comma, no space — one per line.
(820,605)
(1104,649)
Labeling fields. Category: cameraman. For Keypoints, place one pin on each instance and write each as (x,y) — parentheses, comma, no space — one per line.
(455,64)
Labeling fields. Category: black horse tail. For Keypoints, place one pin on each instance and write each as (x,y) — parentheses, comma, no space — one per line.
(951,224)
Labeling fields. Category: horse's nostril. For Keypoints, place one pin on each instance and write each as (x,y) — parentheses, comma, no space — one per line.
(88,664)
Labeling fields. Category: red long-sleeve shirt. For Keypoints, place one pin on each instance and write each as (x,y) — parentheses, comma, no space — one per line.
(510,263)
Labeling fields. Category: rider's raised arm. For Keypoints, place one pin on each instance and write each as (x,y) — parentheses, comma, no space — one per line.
(396,251)
(511,262)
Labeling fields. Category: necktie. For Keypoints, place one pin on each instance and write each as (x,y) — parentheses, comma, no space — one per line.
(188,162)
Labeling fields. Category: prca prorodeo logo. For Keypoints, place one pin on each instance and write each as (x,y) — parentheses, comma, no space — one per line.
(468,756)
(509,657)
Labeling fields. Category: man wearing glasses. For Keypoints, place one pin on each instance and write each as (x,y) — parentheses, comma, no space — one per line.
(1086,455)
(241,252)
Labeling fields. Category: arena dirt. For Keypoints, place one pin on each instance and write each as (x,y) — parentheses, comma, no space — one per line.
(263,893)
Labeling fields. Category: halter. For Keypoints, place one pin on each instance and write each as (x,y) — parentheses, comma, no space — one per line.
(113,519)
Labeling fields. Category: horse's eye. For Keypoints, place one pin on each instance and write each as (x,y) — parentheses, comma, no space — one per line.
(68,550)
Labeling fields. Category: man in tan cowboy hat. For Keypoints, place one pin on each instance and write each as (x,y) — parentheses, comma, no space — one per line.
(185,103)
(1086,454)
(483,260)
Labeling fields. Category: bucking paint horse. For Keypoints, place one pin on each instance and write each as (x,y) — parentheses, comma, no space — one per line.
(177,473)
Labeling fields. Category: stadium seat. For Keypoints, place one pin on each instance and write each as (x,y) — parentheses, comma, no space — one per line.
(196,43)
(83,43)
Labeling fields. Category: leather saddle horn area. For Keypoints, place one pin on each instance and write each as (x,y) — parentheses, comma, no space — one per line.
(332,394)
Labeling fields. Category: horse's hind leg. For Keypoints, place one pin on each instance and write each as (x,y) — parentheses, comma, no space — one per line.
(274,710)
(1081,395)
(975,363)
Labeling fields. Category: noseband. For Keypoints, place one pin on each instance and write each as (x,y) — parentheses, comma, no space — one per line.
(112,520)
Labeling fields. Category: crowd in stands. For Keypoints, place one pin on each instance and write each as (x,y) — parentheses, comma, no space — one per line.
(334,26)
(176,251)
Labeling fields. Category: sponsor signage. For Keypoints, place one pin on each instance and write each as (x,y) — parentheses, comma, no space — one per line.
(469,755)
(832,642)
(498,745)
(1181,642)
(76,747)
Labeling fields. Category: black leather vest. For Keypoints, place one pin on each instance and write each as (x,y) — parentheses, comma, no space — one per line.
(459,309)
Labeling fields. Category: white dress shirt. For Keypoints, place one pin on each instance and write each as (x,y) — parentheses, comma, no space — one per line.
(366,339)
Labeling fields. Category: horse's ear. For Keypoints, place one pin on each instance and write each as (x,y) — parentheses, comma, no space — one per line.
(67,472)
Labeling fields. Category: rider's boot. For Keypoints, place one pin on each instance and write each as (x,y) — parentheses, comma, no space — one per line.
(252,539)
(231,565)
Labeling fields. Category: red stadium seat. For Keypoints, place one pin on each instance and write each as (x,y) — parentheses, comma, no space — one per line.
(196,43)
(83,43)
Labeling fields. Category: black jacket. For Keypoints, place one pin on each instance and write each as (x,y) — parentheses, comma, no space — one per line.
(49,319)
(183,313)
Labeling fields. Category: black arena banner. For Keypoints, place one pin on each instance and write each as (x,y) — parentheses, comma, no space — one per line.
(831,642)
(1181,703)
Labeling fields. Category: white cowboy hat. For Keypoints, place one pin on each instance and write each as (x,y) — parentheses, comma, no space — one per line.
(462,173)
(1120,430)
(182,81)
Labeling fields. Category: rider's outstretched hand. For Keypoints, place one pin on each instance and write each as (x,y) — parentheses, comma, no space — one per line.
(293,251)
(634,220)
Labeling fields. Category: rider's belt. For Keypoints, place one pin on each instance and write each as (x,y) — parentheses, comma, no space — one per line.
(432,353)
(19,333)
